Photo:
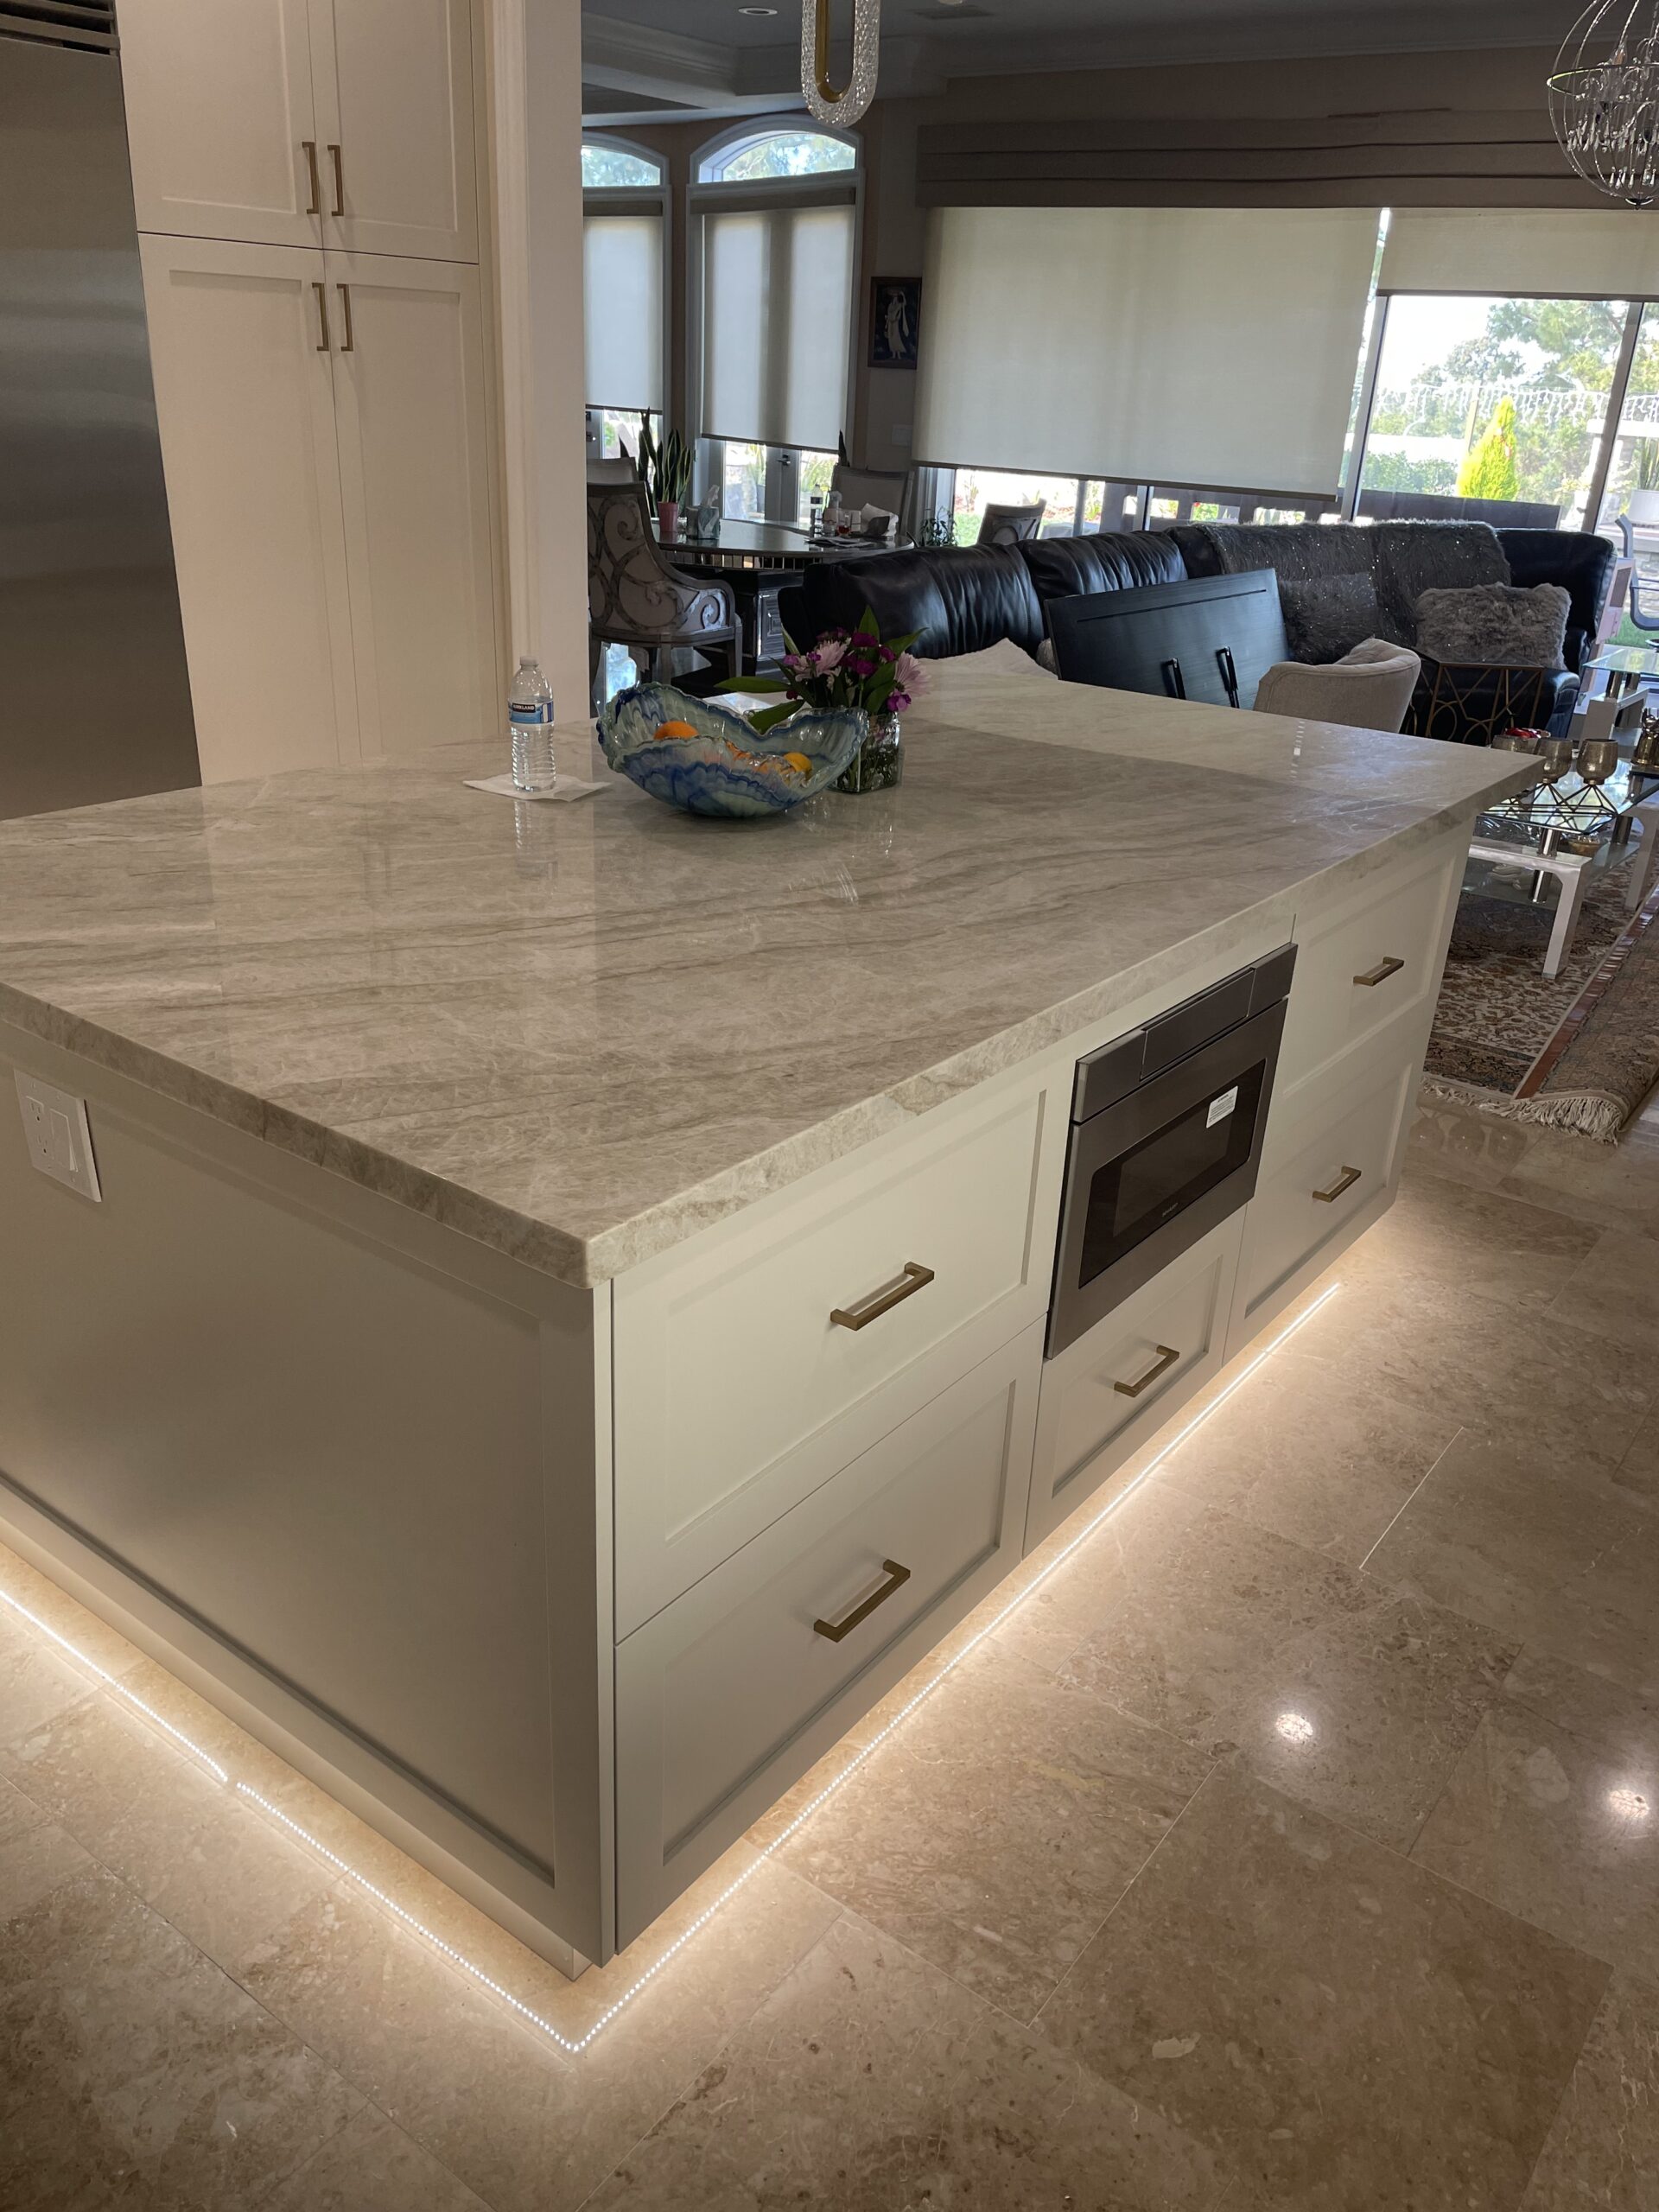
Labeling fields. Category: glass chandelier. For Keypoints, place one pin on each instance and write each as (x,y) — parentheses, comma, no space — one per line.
(842,108)
(1604,99)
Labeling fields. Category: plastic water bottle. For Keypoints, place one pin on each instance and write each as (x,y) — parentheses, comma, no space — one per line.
(529,718)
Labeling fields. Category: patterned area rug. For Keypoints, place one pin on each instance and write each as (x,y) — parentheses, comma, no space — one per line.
(1582,1052)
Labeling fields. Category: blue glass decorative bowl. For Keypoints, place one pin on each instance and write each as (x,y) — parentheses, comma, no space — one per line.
(724,769)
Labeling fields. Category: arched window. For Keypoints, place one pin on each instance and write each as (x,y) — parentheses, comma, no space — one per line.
(765,157)
(625,245)
(609,165)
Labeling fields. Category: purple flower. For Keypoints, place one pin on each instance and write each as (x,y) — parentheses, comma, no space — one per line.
(897,701)
(912,674)
(828,654)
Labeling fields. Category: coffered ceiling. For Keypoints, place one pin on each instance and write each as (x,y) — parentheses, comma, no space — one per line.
(728,56)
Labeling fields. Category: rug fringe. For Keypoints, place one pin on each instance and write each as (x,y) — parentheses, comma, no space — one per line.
(1595,1114)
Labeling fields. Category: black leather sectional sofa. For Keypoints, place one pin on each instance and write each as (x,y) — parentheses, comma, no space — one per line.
(961,600)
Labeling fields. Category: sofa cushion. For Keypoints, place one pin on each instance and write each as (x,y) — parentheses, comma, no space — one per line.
(1325,615)
(1296,551)
(1494,625)
(958,599)
(1074,568)
(1412,557)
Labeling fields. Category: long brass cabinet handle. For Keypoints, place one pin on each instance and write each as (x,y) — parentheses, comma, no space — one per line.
(310,146)
(1346,1181)
(348,343)
(1166,1358)
(897,1577)
(1380,973)
(322,291)
(882,1301)
(339,181)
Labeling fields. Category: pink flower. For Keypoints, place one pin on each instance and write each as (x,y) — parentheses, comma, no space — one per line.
(912,675)
(828,653)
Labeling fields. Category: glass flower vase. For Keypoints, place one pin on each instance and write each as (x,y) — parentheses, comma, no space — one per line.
(879,761)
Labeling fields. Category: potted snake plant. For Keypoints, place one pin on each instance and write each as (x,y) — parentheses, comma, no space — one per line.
(665,466)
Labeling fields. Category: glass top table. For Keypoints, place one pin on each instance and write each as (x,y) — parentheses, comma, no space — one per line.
(1623,660)
(745,544)
(1563,832)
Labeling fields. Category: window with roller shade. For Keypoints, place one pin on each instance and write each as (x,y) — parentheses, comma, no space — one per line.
(624,241)
(1175,346)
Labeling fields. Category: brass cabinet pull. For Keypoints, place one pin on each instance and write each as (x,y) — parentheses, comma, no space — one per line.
(339,181)
(1346,1181)
(883,1301)
(348,343)
(1166,1358)
(322,291)
(310,146)
(897,1577)
(1380,973)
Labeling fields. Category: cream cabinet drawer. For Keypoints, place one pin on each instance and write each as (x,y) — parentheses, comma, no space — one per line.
(728,1695)
(1372,961)
(755,1362)
(1103,1396)
(1333,1170)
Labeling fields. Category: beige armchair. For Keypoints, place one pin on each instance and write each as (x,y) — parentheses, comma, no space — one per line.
(1369,688)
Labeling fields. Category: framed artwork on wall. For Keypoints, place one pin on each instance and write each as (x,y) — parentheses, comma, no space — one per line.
(895,318)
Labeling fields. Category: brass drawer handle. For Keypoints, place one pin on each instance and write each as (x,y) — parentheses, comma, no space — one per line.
(339,182)
(322,291)
(349,344)
(1346,1181)
(883,1301)
(310,146)
(897,1577)
(1166,1358)
(1380,974)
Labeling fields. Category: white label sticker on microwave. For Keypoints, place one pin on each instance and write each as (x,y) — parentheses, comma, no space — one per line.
(1221,1108)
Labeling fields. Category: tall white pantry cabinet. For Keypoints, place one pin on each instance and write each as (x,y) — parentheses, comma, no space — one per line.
(307,185)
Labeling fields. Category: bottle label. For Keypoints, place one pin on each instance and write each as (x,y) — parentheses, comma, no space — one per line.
(528,717)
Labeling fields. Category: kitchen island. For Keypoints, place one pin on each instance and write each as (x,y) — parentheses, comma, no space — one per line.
(478,1371)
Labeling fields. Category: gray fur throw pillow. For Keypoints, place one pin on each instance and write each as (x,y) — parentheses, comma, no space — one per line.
(1325,615)
(1494,625)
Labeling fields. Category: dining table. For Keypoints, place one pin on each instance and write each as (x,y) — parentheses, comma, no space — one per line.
(757,560)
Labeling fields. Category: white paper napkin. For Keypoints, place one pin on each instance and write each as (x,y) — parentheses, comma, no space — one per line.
(566,787)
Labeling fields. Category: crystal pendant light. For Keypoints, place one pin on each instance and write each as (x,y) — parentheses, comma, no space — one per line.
(841,109)
(1604,99)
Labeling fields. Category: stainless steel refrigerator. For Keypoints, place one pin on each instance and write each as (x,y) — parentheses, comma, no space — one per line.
(94,698)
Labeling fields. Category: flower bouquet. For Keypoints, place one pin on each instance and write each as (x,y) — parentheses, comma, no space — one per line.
(855,669)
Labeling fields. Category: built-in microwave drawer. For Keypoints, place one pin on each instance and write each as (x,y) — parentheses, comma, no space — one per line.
(1330,1172)
(754,1361)
(1107,1394)
(1369,962)
(731,1693)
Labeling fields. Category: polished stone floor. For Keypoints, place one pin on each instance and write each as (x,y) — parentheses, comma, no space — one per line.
(1296,1845)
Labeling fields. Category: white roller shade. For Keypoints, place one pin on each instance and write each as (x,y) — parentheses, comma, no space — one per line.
(622,270)
(777,309)
(1596,254)
(1153,344)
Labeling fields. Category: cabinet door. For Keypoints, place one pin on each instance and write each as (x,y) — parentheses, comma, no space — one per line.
(246,405)
(408,385)
(394,83)
(219,119)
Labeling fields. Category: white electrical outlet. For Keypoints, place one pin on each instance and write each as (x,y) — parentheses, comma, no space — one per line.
(59,1141)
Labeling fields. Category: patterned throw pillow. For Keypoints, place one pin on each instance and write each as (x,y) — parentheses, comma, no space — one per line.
(1495,625)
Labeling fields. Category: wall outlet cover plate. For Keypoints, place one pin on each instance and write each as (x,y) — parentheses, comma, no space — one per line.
(60,1138)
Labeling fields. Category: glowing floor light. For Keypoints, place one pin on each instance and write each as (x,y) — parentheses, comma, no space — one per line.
(1638,1809)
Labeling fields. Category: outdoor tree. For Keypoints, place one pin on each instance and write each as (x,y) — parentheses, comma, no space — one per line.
(1489,470)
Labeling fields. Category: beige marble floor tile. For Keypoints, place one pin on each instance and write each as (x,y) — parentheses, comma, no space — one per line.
(519,2121)
(1614,1186)
(1473,1147)
(57,1611)
(371,2167)
(1558,1821)
(1483,1364)
(1301,1450)
(1500,1533)
(994,1832)
(33,1861)
(132,2071)
(869,2082)
(208,1860)
(1603,2151)
(17,1812)
(1638,1474)
(37,1682)
(1614,1294)
(1357,2035)
(1471,1242)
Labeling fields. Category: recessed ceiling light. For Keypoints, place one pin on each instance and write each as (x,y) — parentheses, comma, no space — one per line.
(757,11)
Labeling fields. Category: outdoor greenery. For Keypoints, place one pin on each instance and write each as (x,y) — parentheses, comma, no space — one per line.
(1490,471)
(784,153)
(608,168)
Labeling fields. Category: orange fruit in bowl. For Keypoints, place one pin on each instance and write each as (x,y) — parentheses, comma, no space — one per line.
(799,763)
(676,729)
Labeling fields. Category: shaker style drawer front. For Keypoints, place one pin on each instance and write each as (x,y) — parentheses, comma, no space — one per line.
(752,1365)
(1106,1394)
(730,1693)
(1376,958)
(1340,1163)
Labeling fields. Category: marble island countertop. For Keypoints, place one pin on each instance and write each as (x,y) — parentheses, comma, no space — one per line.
(581,1032)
